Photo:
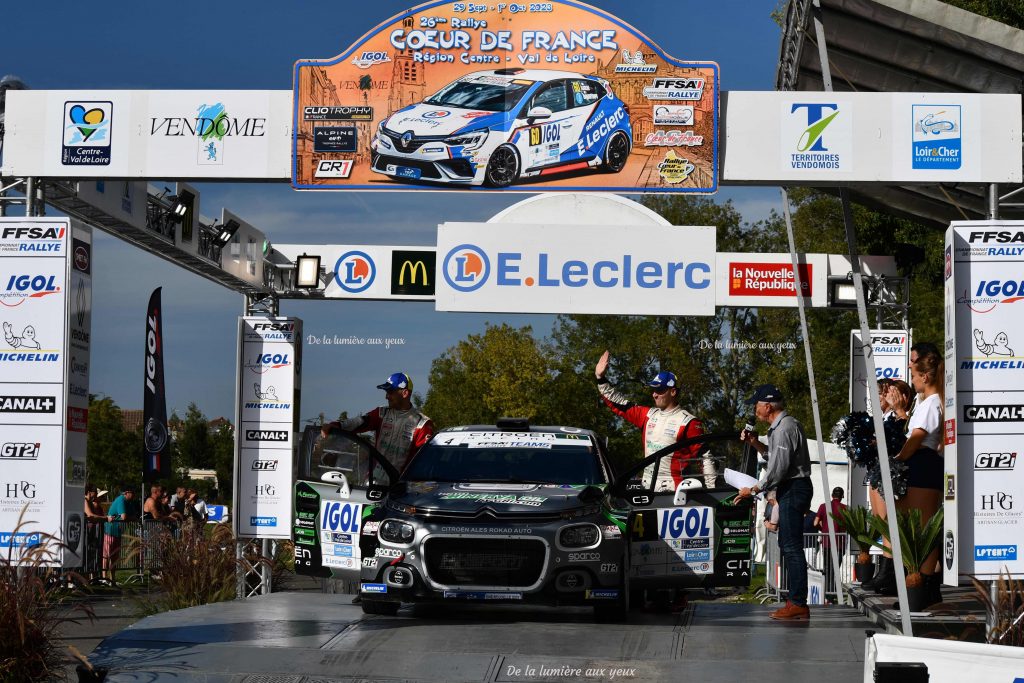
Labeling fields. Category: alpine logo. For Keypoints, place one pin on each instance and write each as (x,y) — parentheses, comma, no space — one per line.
(266,435)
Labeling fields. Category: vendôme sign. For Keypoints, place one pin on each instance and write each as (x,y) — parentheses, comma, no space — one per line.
(559,95)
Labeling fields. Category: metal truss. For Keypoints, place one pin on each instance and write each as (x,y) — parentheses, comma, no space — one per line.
(254,558)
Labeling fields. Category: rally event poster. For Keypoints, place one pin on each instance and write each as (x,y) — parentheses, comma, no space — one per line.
(552,96)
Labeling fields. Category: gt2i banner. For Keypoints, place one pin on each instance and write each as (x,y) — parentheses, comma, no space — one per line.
(646,270)
(984,418)
(44,358)
(268,391)
(552,96)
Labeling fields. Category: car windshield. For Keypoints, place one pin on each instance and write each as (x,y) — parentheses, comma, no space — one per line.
(480,95)
(555,465)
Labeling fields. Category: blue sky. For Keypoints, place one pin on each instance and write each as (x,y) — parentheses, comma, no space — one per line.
(253,45)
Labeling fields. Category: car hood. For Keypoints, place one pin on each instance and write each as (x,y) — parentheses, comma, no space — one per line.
(502,499)
(428,119)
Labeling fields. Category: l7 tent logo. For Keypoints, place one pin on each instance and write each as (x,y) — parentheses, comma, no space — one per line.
(817,136)
(937,142)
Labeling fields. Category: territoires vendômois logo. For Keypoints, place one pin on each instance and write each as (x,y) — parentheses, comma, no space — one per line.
(466,267)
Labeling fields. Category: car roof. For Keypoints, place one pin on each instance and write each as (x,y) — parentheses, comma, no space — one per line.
(531,74)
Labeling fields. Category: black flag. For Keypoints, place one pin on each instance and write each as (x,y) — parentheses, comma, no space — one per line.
(156,459)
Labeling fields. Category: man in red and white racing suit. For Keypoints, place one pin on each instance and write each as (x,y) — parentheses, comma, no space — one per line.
(662,425)
(401,429)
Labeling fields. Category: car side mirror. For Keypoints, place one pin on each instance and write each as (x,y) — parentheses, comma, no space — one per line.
(538,113)
(591,494)
(340,479)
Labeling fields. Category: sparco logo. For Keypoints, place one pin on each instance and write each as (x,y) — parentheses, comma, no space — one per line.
(27,404)
(950,550)
(995,461)
(1001,237)
(265,466)
(20,451)
(266,435)
(1003,501)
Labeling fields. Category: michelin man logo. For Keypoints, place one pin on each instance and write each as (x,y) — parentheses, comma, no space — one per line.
(27,340)
(269,395)
(998,347)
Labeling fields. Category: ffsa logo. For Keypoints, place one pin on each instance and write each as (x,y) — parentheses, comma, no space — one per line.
(354,271)
(466,268)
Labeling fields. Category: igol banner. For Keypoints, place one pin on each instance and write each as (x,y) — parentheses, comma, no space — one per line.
(156,461)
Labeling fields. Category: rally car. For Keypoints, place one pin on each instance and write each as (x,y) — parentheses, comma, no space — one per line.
(510,512)
(495,127)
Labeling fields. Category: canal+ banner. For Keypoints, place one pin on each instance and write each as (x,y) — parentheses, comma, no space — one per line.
(552,96)
(649,270)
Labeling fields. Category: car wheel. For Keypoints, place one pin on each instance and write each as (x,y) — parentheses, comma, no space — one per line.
(389,609)
(616,152)
(503,167)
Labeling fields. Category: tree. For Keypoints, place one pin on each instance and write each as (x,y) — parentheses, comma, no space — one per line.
(113,456)
(222,445)
(498,373)
(193,442)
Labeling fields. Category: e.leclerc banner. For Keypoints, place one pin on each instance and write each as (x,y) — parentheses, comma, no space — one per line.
(523,96)
(156,444)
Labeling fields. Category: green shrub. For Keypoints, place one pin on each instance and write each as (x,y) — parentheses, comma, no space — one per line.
(195,568)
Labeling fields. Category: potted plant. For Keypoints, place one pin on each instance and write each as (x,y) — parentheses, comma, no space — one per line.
(856,521)
(917,541)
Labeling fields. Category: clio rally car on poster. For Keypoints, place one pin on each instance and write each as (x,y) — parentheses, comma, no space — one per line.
(495,127)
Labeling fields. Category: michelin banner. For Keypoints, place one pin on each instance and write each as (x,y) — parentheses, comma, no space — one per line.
(45,298)
(984,426)
(268,389)
(552,96)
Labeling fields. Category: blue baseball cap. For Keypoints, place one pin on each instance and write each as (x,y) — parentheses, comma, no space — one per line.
(398,380)
(663,380)
(765,392)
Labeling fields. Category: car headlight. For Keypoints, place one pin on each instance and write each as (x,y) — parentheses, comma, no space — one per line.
(393,531)
(469,140)
(579,536)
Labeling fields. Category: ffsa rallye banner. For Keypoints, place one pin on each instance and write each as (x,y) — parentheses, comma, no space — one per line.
(522,96)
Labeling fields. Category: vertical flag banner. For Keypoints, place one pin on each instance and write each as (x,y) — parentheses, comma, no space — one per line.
(156,440)
(551,96)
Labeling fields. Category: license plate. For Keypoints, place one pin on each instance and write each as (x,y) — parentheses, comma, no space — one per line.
(407,172)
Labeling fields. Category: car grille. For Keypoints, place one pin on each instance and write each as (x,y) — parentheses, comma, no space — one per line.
(427,169)
(414,144)
(460,167)
(515,563)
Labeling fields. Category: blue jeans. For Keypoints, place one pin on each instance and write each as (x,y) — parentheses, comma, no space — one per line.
(794,496)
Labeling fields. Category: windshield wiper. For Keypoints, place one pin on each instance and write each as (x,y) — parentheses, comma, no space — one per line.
(506,481)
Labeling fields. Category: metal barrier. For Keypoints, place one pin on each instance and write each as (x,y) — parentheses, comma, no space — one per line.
(817,559)
(112,547)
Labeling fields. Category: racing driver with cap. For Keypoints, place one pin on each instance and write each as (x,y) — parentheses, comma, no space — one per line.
(662,425)
(400,429)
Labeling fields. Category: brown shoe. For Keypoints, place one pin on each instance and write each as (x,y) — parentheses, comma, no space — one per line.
(791,612)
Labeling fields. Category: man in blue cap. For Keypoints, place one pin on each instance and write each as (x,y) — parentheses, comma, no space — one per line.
(401,429)
(662,425)
(789,474)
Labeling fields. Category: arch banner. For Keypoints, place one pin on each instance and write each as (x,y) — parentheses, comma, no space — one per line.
(535,96)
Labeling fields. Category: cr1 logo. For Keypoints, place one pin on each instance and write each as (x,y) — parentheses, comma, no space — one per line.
(354,271)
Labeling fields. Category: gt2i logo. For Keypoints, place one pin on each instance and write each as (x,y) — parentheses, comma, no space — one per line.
(995,461)
(540,135)
(20,451)
(370,562)
(609,568)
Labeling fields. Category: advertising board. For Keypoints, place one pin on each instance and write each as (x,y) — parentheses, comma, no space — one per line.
(815,137)
(45,303)
(362,271)
(270,362)
(520,96)
(891,352)
(746,279)
(648,270)
(984,418)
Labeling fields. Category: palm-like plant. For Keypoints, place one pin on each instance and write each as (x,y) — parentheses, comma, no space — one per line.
(857,522)
(917,540)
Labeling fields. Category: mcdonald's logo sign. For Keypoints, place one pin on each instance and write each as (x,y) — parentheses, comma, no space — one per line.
(412,273)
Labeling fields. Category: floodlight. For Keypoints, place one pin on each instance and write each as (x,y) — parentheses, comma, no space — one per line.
(182,204)
(226,232)
(842,293)
(307,271)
